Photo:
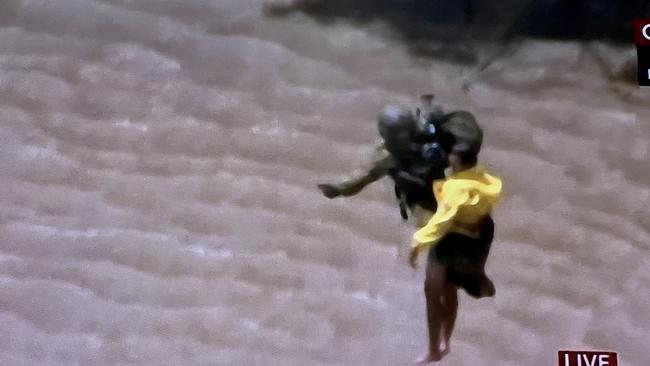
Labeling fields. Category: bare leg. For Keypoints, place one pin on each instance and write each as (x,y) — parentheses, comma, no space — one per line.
(433,287)
(450,304)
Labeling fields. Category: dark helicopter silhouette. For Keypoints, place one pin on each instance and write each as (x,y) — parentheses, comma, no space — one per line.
(477,32)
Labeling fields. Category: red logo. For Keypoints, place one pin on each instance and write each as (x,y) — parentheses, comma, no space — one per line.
(642,32)
(587,358)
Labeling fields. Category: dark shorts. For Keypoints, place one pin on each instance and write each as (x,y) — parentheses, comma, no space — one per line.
(464,259)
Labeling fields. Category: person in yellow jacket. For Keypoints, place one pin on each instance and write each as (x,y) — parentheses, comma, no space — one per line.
(458,237)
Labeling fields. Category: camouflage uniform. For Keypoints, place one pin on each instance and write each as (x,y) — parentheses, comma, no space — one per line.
(413,173)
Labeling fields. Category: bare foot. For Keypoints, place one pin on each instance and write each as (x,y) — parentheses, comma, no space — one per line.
(444,350)
(429,357)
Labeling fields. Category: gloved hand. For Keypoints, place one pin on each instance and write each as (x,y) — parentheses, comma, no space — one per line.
(329,190)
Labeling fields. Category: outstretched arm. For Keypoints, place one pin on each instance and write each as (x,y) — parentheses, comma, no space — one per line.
(355,185)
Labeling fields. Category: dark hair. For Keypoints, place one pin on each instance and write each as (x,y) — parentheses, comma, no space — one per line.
(467,153)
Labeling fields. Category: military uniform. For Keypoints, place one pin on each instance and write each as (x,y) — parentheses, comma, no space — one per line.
(413,173)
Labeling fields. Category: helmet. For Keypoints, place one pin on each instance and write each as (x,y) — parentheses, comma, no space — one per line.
(394,117)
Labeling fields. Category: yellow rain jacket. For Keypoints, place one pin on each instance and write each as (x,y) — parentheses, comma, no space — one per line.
(463,198)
